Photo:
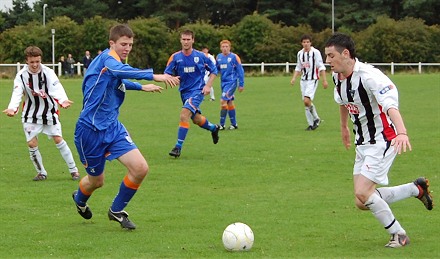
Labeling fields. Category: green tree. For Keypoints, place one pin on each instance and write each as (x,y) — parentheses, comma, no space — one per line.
(206,35)
(20,14)
(152,44)
(428,10)
(389,40)
(77,10)
(95,32)
(67,37)
(249,34)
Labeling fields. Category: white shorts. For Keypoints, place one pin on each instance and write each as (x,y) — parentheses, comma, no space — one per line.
(374,161)
(32,130)
(308,88)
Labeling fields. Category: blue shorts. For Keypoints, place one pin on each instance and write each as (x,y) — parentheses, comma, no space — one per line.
(228,90)
(96,146)
(192,100)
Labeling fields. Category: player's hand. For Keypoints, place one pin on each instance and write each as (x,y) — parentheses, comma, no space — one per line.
(206,90)
(66,104)
(9,112)
(152,88)
(292,82)
(240,89)
(345,134)
(169,80)
(325,84)
(401,143)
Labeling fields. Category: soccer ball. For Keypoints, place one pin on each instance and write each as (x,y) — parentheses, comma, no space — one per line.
(238,237)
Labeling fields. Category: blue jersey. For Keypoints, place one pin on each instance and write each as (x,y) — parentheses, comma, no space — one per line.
(230,68)
(104,88)
(191,69)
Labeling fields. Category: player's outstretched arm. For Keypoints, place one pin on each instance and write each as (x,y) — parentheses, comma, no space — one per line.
(169,80)
(151,88)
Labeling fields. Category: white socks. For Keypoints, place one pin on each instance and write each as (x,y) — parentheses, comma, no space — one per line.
(67,156)
(382,212)
(314,112)
(309,116)
(397,193)
(37,160)
(212,93)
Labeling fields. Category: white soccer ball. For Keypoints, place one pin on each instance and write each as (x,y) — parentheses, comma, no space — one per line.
(238,237)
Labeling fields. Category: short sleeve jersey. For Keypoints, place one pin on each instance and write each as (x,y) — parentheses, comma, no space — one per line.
(191,69)
(309,63)
(230,68)
(367,94)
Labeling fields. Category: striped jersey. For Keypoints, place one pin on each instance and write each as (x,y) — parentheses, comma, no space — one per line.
(207,72)
(42,92)
(104,86)
(230,68)
(191,69)
(309,63)
(367,94)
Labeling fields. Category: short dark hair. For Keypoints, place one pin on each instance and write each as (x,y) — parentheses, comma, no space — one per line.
(187,32)
(33,51)
(306,37)
(119,31)
(342,41)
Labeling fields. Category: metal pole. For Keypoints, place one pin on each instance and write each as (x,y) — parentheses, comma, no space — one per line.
(53,48)
(333,16)
(44,15)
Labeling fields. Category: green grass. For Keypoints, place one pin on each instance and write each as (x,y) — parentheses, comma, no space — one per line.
(294,188)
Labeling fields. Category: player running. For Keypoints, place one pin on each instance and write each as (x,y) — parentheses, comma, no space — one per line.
(100,136)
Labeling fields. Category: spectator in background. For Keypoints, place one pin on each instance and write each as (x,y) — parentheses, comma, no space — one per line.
(71,64)
(87,59)
(64,66)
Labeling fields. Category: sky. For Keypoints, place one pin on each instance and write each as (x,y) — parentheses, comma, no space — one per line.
(7,4)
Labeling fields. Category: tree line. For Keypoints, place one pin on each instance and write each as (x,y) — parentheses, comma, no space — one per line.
(255,37)
(355,15)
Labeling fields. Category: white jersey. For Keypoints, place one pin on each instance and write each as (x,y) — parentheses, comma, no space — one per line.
(309,63)
(42,92)
(368,94)
(207,73)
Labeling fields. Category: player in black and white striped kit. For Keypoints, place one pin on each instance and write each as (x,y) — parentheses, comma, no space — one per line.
(310,66)
(42,93)
(370,99)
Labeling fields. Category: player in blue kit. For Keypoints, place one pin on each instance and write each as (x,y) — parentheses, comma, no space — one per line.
(232,75)
(100,136)
(190,65)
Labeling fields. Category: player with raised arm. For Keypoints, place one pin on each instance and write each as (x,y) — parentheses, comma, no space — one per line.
(42,92)
(100,136)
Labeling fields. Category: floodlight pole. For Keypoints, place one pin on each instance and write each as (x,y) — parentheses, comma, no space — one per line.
(53,48)
(333,16)
(44,15)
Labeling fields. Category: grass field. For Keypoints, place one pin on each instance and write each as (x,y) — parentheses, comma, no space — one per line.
(294,188)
